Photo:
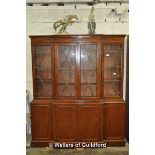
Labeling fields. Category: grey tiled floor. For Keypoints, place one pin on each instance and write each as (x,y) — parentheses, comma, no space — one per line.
(81,151)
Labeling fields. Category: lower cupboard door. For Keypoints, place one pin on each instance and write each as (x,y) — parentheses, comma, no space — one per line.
(65,123)
(114,121)
(90,122)
(41,122)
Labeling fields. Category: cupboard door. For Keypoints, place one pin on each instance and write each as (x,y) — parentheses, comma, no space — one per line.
(66,70)
(89,73)
(114,121)
(65,123)
(90,122)
(41,122)
(42,71)
(113,70)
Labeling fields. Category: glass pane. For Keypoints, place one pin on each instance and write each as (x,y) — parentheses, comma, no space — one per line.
(43,88)
(88,69)
(67,90)
(112,70)
(112,88)
(66,67)
(43,71)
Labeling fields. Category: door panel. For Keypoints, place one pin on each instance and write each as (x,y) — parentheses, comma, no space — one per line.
(90,122)
(66,69)
(65,123)
(41,117)
(114,121)
(42,71)
(113,73)
(88,69)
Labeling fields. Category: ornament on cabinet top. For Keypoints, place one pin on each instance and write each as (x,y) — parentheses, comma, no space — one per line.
(60,26)
(91,22)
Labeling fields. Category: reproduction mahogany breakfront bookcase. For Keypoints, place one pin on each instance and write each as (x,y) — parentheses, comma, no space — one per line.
(78,89)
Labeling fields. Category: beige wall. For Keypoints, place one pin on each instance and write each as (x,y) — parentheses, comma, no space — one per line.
(40,22)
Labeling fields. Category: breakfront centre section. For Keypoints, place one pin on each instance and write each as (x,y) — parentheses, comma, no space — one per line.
(78,89)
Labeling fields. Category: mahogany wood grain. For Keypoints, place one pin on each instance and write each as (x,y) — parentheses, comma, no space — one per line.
(41,118)
(65,122)
(90,122)
(114,121)
(78,118)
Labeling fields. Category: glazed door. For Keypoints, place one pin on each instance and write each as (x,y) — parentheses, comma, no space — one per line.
(113,70)
(42,70)
(89,70)
(66,72)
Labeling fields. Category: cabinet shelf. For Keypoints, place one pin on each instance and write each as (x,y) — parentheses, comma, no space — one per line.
(38,79)
(75,70)
(41,68)
(66,70)
(88,70)
(112,66)
(112,80)
(67,83)
(39,52)
(80,83)
(112,51)
(89,83)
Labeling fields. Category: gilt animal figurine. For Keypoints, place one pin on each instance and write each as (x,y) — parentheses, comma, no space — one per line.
(61,25)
